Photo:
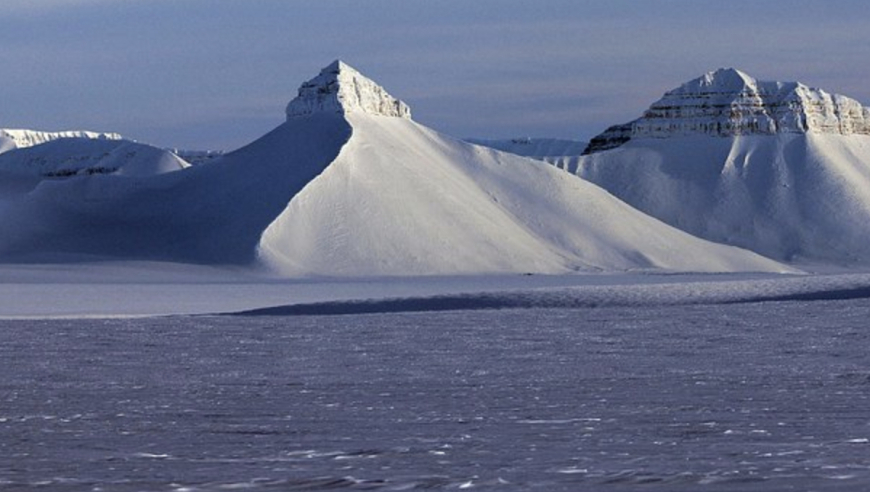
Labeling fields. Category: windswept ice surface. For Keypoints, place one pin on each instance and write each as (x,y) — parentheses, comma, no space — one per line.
(759,396)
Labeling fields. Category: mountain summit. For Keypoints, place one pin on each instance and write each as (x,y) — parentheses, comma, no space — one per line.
(728,102)
(339,88)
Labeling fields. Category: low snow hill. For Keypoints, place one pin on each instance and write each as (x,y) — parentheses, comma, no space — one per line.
(68,157)
(349,185)
(778,168)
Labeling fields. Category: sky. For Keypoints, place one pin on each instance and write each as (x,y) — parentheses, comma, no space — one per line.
(217,74)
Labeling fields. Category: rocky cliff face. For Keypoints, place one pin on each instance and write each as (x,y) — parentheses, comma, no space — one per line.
(728,102)
(341,89)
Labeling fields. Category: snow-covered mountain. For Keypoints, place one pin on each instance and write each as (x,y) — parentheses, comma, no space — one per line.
(778,168)
(350,185)
(728,103)
(403,199)
(17,138)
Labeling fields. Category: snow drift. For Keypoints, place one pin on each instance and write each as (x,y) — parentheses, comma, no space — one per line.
(348,185)
(778,168)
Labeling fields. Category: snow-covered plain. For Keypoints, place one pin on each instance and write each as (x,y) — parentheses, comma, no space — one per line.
(716,397)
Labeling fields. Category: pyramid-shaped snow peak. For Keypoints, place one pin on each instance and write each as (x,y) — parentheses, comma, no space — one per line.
(728,102)
(339,88)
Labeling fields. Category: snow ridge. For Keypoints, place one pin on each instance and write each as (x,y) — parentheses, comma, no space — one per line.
(339,88)
(71,157)
(728,102)
(21,138)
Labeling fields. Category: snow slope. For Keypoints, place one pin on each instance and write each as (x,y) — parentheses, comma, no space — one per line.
(208,214)
(773,167)
(402,199)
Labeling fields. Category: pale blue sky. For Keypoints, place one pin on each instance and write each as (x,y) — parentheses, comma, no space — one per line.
(217,73)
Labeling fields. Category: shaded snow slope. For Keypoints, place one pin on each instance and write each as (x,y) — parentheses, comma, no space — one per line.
(538,148)
(792,197)
(208,214)
(19,138)
(401,199)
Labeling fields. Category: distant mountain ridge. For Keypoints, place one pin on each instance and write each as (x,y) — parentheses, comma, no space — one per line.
(728,102)
(21,138)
